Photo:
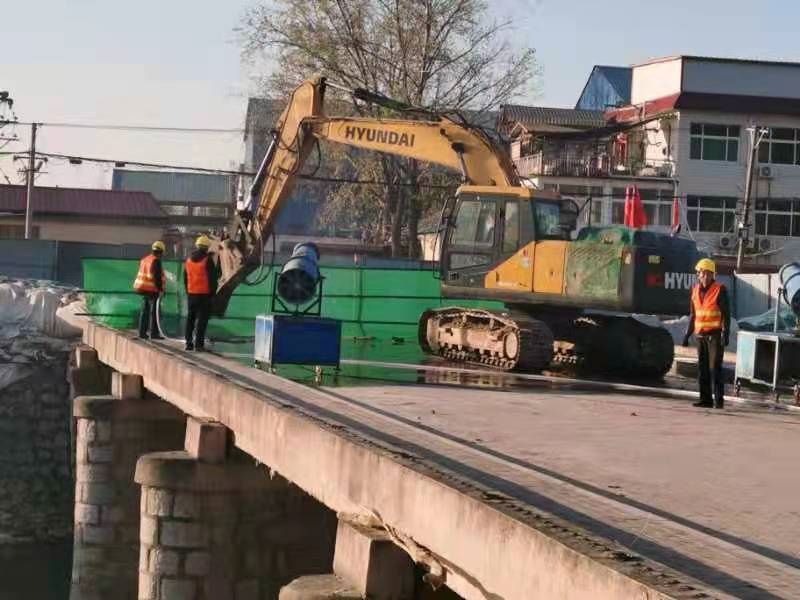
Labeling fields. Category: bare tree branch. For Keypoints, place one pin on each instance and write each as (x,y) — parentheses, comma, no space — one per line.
(440,54)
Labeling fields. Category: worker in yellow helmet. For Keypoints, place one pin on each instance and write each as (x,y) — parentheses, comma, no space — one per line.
(710,322)
(150,283)
(200,277)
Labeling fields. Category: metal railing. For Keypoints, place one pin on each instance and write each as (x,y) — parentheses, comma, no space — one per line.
(589,166)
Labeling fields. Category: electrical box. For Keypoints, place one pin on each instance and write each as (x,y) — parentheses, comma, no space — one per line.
(297,340)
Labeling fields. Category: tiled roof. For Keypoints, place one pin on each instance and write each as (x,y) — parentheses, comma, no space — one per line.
(563,117)
(82,202)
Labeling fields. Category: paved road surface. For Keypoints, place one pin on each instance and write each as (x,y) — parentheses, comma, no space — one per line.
(712,494)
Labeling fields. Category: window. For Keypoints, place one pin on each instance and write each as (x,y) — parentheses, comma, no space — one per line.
(597,211)
(657,206)
(714,142)
(485,225)
(511,227)
(210,211)
(175,209)
(581,195)
(473,233)
(781,146)
(475,224)
(548,221)
(572,190)
(466,222)
(715,214)
(778,216)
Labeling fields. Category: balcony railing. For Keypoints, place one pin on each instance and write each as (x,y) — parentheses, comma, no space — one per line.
(590,166)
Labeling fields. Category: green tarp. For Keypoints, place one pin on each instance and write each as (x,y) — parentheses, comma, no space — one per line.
(371,302)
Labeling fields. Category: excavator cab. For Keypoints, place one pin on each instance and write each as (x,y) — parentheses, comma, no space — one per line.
(489,226)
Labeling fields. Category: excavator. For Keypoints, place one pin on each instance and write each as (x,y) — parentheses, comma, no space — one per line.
(568,296)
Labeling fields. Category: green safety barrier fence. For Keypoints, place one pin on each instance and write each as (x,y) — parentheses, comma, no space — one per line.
(371,302)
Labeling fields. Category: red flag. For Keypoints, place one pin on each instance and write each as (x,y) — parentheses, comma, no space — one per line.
(635,215)
(640,216)
(676,216)
(628,219)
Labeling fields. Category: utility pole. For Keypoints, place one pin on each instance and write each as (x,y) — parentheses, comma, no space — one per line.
(744,224)
(31,173)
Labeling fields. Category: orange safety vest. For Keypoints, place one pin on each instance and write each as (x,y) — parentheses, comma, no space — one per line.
(145,282)
(197,277)
(707,315)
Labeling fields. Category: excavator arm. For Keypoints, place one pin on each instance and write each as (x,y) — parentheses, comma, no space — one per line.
(440,140)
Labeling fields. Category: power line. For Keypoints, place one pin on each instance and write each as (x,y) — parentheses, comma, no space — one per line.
(120,163)
(117,127)
(123,163)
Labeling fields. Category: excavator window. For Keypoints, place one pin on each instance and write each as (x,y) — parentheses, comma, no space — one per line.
(511,227)
(547,216)
(475,223)
(472,241)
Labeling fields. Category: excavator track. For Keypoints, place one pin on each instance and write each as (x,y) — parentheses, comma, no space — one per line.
(615,345)
(489,338)
(516,341)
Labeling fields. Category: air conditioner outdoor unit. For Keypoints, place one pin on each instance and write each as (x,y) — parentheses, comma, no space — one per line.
(726,241)
(764,244)
(765,172)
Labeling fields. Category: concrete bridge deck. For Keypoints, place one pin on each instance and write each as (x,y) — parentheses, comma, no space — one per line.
(545,494)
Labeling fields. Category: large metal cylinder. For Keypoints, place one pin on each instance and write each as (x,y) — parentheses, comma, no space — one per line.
(298,280)
(790,282)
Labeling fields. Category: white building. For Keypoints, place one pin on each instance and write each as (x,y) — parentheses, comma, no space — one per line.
(687,129)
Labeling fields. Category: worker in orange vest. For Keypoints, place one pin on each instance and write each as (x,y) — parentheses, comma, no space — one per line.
(200,278)
(710,321)
(150,284)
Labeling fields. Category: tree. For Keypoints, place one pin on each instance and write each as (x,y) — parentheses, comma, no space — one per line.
(437,54)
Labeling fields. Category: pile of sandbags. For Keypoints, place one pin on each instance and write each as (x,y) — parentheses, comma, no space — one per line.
(38,321)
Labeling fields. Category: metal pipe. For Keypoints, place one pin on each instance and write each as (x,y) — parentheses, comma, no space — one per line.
(777,312)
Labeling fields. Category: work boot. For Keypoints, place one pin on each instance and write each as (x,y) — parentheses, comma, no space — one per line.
(143,336)
(189,346)
(156,336)
(719,405)
(703,404)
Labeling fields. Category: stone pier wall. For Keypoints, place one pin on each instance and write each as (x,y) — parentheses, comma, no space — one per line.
(225,531)
(112,434)
(36,489)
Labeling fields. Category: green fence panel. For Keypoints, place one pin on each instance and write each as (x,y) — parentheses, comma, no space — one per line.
(372,302)
(110,297)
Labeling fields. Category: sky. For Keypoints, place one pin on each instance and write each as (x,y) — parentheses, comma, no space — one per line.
(176,64)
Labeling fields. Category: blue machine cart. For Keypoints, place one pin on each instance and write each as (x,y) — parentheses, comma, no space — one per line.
(297,340)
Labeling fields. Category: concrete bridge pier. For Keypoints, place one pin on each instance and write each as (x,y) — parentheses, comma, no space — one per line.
(112,432)
(214,525)
(366,564)
(86,375)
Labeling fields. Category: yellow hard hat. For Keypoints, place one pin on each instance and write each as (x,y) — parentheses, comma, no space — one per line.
(202,242)
(159,246)
(706,264)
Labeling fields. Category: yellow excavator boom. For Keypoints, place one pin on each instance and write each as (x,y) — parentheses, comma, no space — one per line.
(440,140)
